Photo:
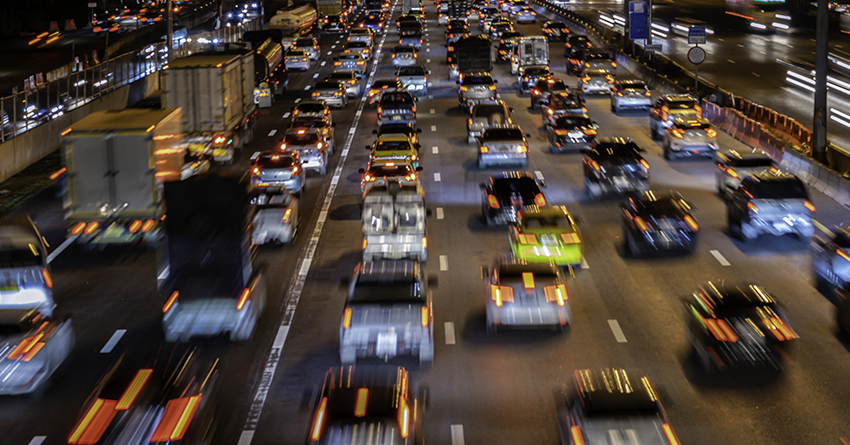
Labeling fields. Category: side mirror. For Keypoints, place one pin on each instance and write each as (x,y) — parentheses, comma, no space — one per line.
(482,185)
(495,81)
(362,171)
(419,169)
(419,130)
(457,82)
(417,146)
(528,135)
(333,125)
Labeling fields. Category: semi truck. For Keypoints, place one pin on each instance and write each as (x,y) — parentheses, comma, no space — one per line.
(207,278)
(393,222)
(115,163)
(216,94)
(472,54)
(297,19)
(270,75)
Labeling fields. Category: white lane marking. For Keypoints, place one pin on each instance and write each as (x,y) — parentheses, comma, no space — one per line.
(433,111)
(271,133)
(427,60)
(164,274)
(755,74)
(110,345)
(730,60)
(762,53)
(720,259)
(740,46)
(584,264)
(457,435)
(330,52)
(433,128)
(450,333)
(297,99)
(435,150)
(38,440)
(315,75)
(307,88)
(286,115)
(61,248)
(618,333)
(430,84)
(444,263)
(437,177)
(323,63)
(539,175)
(720,39)
(296,288)
(430,96)
(333,46)
(427,50)
(440,213)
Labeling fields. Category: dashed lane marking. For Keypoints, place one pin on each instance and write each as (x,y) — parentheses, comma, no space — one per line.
(433,111)
(730,60)
(450,333)
(323,63)
(315,75)
(618,333)
(61,248)
(286,115)
(444,263)
(271,133)
(110,345)
(437,177)
(435,150)
(440,214)
(720,258)
(297,99)
(539,175)
(433,128)
(457,435)
(584,264)
(38,440)
(755,74)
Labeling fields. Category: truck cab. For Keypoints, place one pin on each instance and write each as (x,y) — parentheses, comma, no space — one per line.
(393,222)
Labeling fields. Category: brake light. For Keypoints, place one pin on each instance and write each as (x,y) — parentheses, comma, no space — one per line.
(671,436)
(711,132)
(424,242)
(575,432)
(809,206)
(641,224)
(501,294)
(610,79)
(98,417)
(644,164)
(492,201)
(585,79)
(463,88)
(842,254)
(138,224)
(362,398)
(720,330)
(678,132)
(528,281)
(492,87)
(340,63)
(521,149)
(283,146)
(243,298)
(295,169)
(379,109)
(170,301)
(425,317)
(691,222)
(698,110)
(287,214)
(647,94)
(570,238)
(587,65)
(731,172)
(561,132)
(78,228)
(148,225)
(613,64)
(620,93)
(590,131)
(403,418)
(556,293)
(752,207)
(316,94)
(133,390)
(539,200)
(527,238)
(176,418)
(595,165)
(535,91)
(92,227)
(360,62)
(779,329)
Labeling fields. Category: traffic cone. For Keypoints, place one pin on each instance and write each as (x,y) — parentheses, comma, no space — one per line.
(94,58)
(54,27)
(70,25)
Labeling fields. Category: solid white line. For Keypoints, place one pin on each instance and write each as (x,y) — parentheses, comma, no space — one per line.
(437,177)
(271,133)
(61,248)
(440,214)
(584,264)
(435,150)
(293,296)
(720,259)
(457,435)
(618,333)
(539,175)
(444,263)
(37,440)
(110,345)
(286,115)
(450,333)
(433,128)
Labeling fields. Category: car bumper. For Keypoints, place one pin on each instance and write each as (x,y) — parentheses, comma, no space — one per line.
(303,66)
(205,318)
(791,224)
(382,342)
(376,250)
(595,89)
(694,148)
(21,378)
(266,234)
(488,159)
(624,104)
(397,118)
(512,314)
(293,184)
(667,240)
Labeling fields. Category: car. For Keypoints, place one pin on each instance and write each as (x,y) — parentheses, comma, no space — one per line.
(596,81)
(575,57)
(443,17)
(830,263)
(543,88)
(517,5)
(770,203)
(735,165)
(689,136)
(404,56)
(571,132)
(562,103)
(503,51)
(397,107)
(410,35)
(486,114)
(278,168)
(497,28)
(528,76)
(399,129)
(576,41)
(630,94)
(324,126)
(556,30)
(654,222)
(510,38)
(486,22)
(452,38)
(311,108)
(276,217)
(176,383)
(332,24)
(396,148)
(348,79)
(297,59)
(413,79)
(332,92)
(502,145)
(351,61)
(457,27)
(310,146)
(354,402)
(381,86)
(373,22)
(598,60)
(359,46)
(613,405)
(525,15)
(361,35)
(406,20)
(737,326)
(667,108)
(388,312)
(546,234)
(309,45)
(381,172)
(614,165)
(473,87)
(506,193)
(524,294)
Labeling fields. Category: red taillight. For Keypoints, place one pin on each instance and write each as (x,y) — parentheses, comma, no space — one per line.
(678,133)
(78,228)
(501,294)
(575,432)
(556,293)
(585,79)
(463,88)
(424,242)
(590,131)
(92,227)
(644,164)
(320,417)
(425,317)
(620,93)
(286,215)
(93,424)
(492,87)
(48,280)
(570,238)
(809,206)
(528,281)
(135,226)
(641,224)
(711,133)
(170,301)
(362,399)
(346,318)
(691,222)
(243,298)
(731,172)
(671,436)
(527,238)
(595,165)
(133,389)
(403,418)
(840,253)
(647,94)
(539,200)
(752,207)
(148,225)
(493,202)
(535,91)
(779,329)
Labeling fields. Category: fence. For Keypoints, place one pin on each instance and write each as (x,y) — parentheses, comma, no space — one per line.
(34,106)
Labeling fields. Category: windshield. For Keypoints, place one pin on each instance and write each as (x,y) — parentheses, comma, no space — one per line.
(327,86)
(411,32)
(412,71)
(393,146)
(537,71)
(311,108)
(478,80)
(341,76)
(304,42)
(349,57)
(503,134)
(304,139)
(681,105)
(535,222)
(615,149)
(401,49)
(398,98)
(357,44)
(509,186)
(753,162)
(564,101)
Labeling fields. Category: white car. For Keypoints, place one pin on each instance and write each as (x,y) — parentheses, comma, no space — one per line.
(277,216)
(349,80)
(630,94)
(297,59)
(526,15)
(351,61)
(332,92)
(596,81)
(733,166)
(310,46)
(689,136)
(404,56)
(521,294)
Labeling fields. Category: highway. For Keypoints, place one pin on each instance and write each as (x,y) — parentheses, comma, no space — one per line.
(481,389)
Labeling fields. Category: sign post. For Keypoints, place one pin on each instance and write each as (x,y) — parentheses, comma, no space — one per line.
(696,55)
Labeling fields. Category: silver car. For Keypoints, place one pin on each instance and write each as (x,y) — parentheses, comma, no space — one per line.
(475,87)
(278,169)
(351,61)
(349,80)
(404,56)
(689,136)
(484,115)
(310,46)
(527,76)
(332,92)
(413,79)
(311,108)
(277,216)
(411,36)
(364,48)
(596,81)
(297,59)
(309,145)
(523,294)
(630,94)
(526,15)
(503,145)
(361,35)
(831,260)
(562,103)
(388,312)
(733,166)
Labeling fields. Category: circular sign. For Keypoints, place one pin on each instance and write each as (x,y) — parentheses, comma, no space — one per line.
(696,55)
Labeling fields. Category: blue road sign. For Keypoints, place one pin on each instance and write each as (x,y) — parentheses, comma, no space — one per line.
(696,35)
(637,20)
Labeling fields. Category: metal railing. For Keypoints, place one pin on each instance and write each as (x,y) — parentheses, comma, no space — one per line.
(34,106)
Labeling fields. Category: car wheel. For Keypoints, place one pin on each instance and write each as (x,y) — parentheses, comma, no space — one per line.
(533,105)
(734,226)
(481,165)
(492,329)
(323,170)
(667,154)
(469,141)
(613,108)
(843,315)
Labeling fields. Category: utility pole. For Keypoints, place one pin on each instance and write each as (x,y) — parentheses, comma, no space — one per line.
(821,49)
(170,34)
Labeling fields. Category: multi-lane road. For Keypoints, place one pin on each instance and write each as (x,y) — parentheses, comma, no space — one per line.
(481,389)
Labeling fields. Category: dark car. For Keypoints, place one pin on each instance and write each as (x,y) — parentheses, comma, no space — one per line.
(332,23)
(457,27)
(576,41)
(506,193)
(655,222)
(397,107)
(575,59)
(614,165)
(381,86)
(401,129)
(373,22)
(770,203)
(571,132)
(737,326)
(543,88)
(562,103)
(556,30)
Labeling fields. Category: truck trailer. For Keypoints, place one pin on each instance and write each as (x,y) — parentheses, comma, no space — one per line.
(393,222)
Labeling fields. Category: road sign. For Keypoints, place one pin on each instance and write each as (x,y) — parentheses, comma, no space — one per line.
(637,20)
(654,47)
(93,5)
(696,55)
(696,35)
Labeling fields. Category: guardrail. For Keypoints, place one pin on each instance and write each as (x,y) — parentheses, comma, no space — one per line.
(32,107)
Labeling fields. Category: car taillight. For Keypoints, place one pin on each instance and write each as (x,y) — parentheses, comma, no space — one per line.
(809,206)
(493,202)
(587,65)
(556,293)
(535,91)
(711,132)
(403,418)
(585,79)
(484,149)
(303,59)
(492,87)
(295,169)
(137,224)
(842,254)
(698,110)
(678,133)
(424,317)
(575,432)
(610,79)
(753,208)
(379,109)
(521,149)
(78,228)
(539,200)
(243,298)
(730,171)
(620,93)
(286,215)
(562,132)
(570,238)
(424,242)
(501,294)
(360,62)
(92,227)
(590,131)
(337,63)
(320,417)
(641,224)
(644,164)
(613,64)
(647,94)
(98,416)
(595,165)
(170,301)
(527,238)
(671,436)
(346,318)
(369,178)
(469,121)
(720,330)
(691,222)
(463,88)
(148,226)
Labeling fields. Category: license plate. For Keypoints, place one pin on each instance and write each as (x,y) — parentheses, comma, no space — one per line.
(620,181)
(387,344)
(396,118)
(780,226)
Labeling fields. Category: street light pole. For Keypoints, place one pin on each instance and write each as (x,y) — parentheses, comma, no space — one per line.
(821,49)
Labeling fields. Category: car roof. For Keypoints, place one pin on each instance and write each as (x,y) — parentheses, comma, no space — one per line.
(342,383)
(614,389)
(722,293)
(328,84)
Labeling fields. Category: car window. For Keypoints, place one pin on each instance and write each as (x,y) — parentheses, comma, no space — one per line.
(304,42)
(327,85)
(311,108)
(275,162)
(633,86)
(788,189)
(301,139)
(573,122)
(751,162)
(508,186)
(10,258)
(396,97)
(407,215)
(597,56)
(536,71)
(488,110)
(478,80)
(538,222)
(506,134)
(412,71)
(396,170)
(393,145)
(616,149)
(349,57)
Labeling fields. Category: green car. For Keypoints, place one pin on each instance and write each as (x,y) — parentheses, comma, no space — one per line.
(395,147)
(546,234)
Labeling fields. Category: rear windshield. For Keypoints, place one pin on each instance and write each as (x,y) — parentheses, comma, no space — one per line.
(557,25)
(404,49)
(309,122)
(578,40)
(502,134)
(564,101)
(412,71)
(271,162)
(788,189)
(634,86)
(616,149)
(357,44)
(681,105)
(381,83)
(752,162)
(665,206)
(510,34)
(478,80)
(573,122)
(393,145)
(536,71)
(19,258)
(304,42)
(397,170)
(509,186)
(311,108)
(327,86)
(536,222)
(556,85)
(488,110)
(349,57)
(341,76)
(396,98)
(304,139)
